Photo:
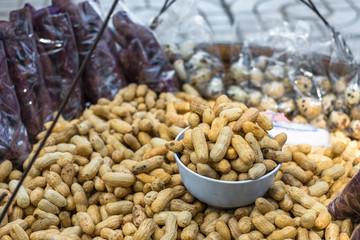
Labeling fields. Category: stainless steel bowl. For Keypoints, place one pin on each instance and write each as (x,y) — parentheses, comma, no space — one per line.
(223,194)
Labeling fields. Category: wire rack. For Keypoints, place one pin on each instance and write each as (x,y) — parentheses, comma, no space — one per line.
(344,15)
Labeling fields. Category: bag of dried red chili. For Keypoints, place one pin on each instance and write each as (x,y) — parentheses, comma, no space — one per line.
(14,143)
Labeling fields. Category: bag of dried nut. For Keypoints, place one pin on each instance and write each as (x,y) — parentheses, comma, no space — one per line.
(141,56)
(309,87)
(342,104)
(261,73)
(351,118)
(246,72)
(190,45)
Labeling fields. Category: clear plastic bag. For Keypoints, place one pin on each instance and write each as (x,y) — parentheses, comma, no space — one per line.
(14,143)
(103,76)
(272,70)
(190,45)
(278,70)
(320,51)
(25,71)
(344,72)
(342,65)
(141,56)
(59,54)
(306,83)
(351,118)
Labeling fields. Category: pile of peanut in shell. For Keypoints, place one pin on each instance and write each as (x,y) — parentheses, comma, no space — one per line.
(108,175)
(228,141)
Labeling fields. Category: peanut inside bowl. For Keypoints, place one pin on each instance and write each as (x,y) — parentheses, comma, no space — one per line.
(228,141)
(223,194)
(226,157)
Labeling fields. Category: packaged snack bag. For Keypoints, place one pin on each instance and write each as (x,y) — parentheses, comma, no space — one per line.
(14,142)
(190,45)
(60,54)
(25,71)
(142,58)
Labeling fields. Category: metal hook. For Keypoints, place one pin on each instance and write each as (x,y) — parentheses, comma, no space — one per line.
(155,22)
(342,49)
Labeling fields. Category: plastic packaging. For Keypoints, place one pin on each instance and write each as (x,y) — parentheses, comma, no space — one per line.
(344,72)
(25,70)
(190,45)
(277,70)
(347,204)
(77,21)
(308,86)
(342,66)
(269,70)
(14,143)
(351,96)
(103,76)
(356,234)
(23,17)
(142,58)
(60,55)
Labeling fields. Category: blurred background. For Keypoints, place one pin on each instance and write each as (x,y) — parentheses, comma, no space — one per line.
(251,15)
